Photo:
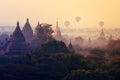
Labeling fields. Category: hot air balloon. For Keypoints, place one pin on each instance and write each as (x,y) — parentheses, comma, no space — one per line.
(77,19)
(101,23)
(66,23)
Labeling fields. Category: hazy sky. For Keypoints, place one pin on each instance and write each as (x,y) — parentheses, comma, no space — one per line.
(90,11)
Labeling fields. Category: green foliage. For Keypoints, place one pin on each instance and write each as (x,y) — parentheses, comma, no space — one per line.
(53,47)
(113,48)
(71,61)
(44,32)
(114,63)
(99,53)
(97,74)
(60,66)
(97,58)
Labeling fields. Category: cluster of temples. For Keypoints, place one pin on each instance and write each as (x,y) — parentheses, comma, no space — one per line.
(23,41)
(18,42)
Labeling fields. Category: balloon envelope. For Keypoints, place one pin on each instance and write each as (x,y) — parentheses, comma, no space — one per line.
(66,23)
(101,23)
(77,18)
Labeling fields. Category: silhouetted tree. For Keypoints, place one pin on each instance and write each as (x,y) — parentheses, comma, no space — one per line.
(54,47)
(113,48)
(44,33)
(82,74)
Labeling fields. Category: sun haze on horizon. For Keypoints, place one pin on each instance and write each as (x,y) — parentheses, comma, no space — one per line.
(90,12)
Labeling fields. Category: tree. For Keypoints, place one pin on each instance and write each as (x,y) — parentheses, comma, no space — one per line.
(44,33)
(43,36)
(82,74)
(54,47)
(113,48)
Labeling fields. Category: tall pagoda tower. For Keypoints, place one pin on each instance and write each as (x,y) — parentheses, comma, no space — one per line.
(58,35)
(102,35)
(70,47)
(17,44)
(27,31)
(58,30)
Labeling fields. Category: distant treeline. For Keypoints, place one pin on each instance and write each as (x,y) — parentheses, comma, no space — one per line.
(59,65)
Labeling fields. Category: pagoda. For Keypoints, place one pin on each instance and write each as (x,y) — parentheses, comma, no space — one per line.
(102,36)
(17,44)
(27,31)
(70,47)
(58,35)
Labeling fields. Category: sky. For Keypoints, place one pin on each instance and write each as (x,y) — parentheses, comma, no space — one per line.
(91,12)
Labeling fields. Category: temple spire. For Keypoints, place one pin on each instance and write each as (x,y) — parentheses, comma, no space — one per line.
(17,23)
(27,31)
(27,20)
(17,44)
(57,23)
(57,27)
(102,32)
(70,47)
(38,23)
(17,27)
